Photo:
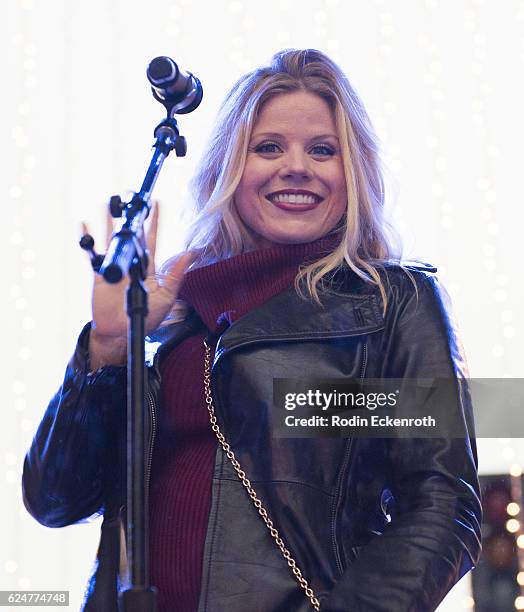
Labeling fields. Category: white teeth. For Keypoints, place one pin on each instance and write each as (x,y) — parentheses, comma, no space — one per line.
(293,198)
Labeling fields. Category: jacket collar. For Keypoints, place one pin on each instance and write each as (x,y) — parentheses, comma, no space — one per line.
(285,317)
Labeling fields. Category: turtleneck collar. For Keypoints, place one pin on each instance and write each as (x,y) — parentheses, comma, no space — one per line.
(224,291)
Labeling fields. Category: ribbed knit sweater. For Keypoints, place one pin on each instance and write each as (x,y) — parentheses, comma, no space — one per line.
(184,455)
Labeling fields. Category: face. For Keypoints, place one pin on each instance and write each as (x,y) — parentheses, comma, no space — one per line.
(293,188)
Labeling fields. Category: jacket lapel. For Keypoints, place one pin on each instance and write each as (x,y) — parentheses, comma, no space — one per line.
(285,317)
(288,317)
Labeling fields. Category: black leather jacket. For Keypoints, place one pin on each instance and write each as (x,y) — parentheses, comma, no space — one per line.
(330,498)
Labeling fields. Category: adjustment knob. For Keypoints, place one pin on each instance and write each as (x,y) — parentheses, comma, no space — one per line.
(116,206)
(180,146)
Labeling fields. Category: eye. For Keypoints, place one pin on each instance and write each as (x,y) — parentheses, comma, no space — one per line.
(323,150)
(267,147)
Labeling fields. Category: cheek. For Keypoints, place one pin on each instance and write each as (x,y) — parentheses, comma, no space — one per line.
(246,201)
(340,199)
(245,190)
(251,188)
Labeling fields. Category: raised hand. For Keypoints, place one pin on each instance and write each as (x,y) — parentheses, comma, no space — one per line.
(108,337)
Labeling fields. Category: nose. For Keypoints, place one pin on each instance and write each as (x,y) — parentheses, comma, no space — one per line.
(296,163)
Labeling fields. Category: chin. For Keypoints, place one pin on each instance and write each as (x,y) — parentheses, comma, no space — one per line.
(291,236)
(299,239)
(282,235)
(295,237)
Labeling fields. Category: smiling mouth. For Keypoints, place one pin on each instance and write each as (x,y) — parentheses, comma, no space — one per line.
(294,198)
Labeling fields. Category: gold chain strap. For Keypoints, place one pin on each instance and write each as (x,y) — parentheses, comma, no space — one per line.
(247,484)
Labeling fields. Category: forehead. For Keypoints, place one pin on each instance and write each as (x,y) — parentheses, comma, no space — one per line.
(298,110)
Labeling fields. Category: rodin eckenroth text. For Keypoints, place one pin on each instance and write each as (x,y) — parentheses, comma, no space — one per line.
(375,420)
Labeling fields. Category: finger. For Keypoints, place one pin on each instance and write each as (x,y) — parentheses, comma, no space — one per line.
(109,227)
(172,272)
(151,235)
(84,232)
(84,229)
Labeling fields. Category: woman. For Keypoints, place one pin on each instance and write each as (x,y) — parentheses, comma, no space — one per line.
(291,274)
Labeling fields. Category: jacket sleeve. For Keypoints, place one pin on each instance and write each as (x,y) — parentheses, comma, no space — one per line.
(434,537)
(73,458)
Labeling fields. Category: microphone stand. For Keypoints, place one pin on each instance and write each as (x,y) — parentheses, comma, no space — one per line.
(127,255)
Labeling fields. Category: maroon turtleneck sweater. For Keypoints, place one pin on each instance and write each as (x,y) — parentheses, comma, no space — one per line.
(184,455)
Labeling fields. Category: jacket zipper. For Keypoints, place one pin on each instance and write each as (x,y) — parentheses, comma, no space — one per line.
(152,435)
(343,471)
(364,361)
(342,475)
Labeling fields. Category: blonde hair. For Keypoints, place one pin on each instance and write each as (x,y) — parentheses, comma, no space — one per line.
(218,231)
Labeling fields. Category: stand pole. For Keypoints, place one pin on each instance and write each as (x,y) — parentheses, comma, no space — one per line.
(141,596)
(127,254)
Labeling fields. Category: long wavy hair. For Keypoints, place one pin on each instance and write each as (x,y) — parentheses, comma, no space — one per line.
(218,232)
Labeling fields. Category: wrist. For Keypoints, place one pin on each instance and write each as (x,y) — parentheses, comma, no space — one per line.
(106,350)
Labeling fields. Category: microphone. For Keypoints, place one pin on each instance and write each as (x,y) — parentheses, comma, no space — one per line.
(179,91)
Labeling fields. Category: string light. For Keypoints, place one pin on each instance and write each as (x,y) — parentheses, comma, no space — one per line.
(28,323)
(497,350)
(18,387)
(248,22)
(235,6)
(508,453)
(25,353)
(15,192)
(516,510)
(502,501)
(26,424)
(508,331)
(20,404)
(11,476)
(10,458)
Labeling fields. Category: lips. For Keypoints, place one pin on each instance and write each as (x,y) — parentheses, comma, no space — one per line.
(294,199)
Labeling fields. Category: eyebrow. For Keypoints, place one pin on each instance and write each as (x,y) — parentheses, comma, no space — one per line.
(277,135)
